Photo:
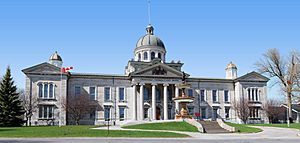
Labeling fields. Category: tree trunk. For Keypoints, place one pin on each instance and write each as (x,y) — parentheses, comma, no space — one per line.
(289,103)
(29,120)
(26,120)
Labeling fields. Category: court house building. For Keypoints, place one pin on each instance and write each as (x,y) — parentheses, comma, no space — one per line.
(144,92)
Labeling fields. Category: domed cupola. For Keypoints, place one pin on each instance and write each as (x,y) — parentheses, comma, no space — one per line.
(149,47)
(56,60)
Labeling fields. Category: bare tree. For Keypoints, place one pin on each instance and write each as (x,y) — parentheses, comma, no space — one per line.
(78,106)
(273,110)
(30,105)
(242,109)
(286,71)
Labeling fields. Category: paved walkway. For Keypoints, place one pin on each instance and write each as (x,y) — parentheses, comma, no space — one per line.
(267,133)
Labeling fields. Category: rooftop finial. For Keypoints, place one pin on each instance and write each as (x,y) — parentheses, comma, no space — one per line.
(150,29)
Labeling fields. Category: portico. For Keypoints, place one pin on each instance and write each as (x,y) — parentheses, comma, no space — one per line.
(158,96)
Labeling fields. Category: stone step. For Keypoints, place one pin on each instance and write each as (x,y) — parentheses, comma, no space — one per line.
(212,127)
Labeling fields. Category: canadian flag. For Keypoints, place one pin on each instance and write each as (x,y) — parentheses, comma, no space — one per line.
(66,69)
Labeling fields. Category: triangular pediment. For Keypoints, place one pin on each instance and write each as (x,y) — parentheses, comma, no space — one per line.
(253,76)
(43,68)
(158,70)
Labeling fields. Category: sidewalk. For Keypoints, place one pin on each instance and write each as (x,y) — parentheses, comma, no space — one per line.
(267,133)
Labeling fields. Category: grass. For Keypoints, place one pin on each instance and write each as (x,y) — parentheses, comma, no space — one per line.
(171,126)
(242,128)
(292,126)
(78,131)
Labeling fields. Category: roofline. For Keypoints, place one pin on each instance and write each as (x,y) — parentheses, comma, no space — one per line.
(73,74)
(285,106)
(24,70)
(210,79)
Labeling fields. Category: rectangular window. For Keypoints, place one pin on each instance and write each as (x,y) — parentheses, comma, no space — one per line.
(46,112)
(227,113)
(92,93)
(46,90)
(202,95)
(190,92)
(40,111)
(106,113)
(121,113)
(214,96)
(106,93)
(226,96)
(77,90)
(121,94)
(50,112)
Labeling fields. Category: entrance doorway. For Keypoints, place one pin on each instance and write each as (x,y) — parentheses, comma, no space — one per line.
(158,116)
(215,114)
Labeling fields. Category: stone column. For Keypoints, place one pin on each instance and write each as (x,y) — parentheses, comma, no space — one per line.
(176,95)
(141,101)
(153,102)
(166,101)
(134,102)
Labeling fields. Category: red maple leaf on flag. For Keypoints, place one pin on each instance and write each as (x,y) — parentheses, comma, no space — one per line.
(66,69)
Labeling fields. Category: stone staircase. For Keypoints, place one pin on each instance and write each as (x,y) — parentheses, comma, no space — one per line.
(212,127)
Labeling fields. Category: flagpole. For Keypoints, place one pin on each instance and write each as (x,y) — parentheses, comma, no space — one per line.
(60,98)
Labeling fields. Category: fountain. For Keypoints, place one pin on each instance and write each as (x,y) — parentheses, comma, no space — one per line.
(183,100)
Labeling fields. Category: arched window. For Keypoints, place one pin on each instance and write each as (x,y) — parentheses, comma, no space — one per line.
(46,90)
(51,90)
(145,56)
(159,55)
(139,57)
(152,55)
(40,90)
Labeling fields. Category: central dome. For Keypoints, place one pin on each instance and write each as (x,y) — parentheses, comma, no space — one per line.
(149,47)
(149,39)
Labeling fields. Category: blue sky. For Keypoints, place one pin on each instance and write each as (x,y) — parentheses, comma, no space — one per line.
(99,36)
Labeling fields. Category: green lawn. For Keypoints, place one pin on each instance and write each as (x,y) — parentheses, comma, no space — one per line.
(242,128)
(293,126)
(78,131)
(172,126)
